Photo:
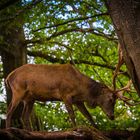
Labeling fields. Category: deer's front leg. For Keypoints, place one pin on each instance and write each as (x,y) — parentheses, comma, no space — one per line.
(68,104)
(84,111)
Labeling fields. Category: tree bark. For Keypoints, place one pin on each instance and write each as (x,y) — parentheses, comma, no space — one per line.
(10,62)
(16,55)
(125,15)
(79,133)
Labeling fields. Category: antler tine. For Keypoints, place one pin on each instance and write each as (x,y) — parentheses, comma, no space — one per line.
(126,88)
(119,94)
(126,100)
(120,62)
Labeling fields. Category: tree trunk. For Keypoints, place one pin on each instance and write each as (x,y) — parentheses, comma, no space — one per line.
(125,15)
(16,56)
(13,51)
(13,57)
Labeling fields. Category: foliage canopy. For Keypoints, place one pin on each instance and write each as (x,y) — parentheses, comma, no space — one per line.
(78,32)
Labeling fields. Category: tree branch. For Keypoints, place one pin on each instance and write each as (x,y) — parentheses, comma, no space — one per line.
(18,13)
(81,133)
(62,61)
(61,44)
(45,56)
(77,29)
(7,4)
(71,20)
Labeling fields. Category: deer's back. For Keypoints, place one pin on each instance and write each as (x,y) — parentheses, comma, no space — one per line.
(48,79)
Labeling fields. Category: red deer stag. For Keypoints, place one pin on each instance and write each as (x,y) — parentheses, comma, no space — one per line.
(61,82)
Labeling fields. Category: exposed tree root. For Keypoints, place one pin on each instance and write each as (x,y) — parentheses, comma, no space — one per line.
(81,133)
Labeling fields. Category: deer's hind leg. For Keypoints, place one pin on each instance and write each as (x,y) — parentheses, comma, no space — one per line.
(12,106)
(28,106)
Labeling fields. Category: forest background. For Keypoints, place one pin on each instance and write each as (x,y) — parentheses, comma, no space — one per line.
(79,32)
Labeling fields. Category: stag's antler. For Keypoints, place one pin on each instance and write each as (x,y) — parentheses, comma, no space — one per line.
(119,92)
(120,62)
(125,88)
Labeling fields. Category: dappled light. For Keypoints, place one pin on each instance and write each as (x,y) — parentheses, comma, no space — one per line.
(98,38)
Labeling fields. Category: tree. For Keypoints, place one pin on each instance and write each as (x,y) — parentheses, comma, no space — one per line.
(12,46)
(13,51)
(125,15)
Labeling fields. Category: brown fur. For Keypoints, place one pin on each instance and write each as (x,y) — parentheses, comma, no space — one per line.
(60,82)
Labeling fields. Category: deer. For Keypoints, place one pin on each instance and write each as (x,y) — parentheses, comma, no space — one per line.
(57,82)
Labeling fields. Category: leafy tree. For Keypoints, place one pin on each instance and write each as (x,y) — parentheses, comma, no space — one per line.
(77,32)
